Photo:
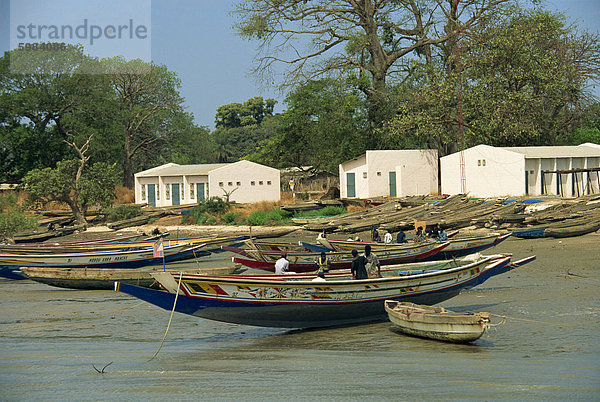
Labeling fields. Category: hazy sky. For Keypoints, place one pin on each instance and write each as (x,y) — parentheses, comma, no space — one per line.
(195,39)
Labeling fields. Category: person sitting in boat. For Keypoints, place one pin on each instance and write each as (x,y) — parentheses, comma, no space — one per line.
(320,277)
(387,238)
(358,268)
(401,237)
(419,236)
(375,237)
(442,235)
(373,266)
(282,265)
(322,262)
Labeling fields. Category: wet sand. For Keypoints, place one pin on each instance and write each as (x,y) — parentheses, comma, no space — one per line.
(548,349)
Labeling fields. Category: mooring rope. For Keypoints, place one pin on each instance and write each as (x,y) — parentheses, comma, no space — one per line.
(504,317)
(170,318)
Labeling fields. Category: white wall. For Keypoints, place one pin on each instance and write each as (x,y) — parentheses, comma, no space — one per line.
(416,173)
(489,172)
(246,182)
(359,168)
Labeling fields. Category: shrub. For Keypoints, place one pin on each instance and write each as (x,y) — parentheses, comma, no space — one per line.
(124,211)
(272,216)
(13,217)
(230,217)
(329,210)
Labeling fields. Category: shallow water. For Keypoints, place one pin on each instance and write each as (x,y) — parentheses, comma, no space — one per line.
(549,348)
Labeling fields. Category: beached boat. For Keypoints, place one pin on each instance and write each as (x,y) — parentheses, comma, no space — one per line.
(559,230)
(10,263)
(303,303)
(456,247)
(305,261)
(436,322)
(103,278)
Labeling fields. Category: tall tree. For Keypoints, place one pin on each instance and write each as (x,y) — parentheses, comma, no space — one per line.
(147,96)
(324,125)
(372,39)
(524,83)
(238,127)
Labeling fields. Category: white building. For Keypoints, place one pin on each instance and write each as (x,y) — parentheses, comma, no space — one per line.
(173,184)
(393,173)
(515,171)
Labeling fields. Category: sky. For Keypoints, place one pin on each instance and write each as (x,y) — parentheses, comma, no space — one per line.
(193,38)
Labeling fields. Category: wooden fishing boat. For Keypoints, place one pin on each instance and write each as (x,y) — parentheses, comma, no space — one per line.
(103,278)
(436,322)
(303,303)
(456,247)
(305,262)
(105,259)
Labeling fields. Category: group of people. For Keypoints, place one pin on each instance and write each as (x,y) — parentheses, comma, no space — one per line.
(436,233)
(364,266)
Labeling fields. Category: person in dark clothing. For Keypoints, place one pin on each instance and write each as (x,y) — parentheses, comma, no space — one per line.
(401,237)
(359,270)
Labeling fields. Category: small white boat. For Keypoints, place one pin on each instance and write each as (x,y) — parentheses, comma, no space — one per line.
(436,322)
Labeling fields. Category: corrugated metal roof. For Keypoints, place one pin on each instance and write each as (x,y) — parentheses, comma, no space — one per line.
(580,151)
(181,170)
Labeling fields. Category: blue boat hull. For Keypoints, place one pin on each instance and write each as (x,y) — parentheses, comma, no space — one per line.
(298,315)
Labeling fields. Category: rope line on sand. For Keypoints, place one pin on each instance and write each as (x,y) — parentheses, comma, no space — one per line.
(504,317)
(170,318)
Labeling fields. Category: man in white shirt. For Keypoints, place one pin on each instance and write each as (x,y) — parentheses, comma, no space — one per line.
(387,238)
(282,265)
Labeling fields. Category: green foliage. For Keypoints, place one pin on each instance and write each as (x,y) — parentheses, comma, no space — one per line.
(270,217)
(122,212)
(324,125)
(329,210)
(13,217)
(238,128)
(231,218)
(95,186)
(203,212)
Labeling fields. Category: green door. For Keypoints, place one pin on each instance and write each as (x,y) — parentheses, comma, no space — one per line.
(392,176)
(350,185)
(175,194)
(151,195)
(200,194)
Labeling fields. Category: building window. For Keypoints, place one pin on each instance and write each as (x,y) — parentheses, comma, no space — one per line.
(158,191)
(268,182)
(220,184)
(167,192)
(378,173)
(192,185)
(252,183)
(483,162)
(230,183)
(143,192)
(182,192)
(478,162)
(238,183)
(260,183)
(364,175)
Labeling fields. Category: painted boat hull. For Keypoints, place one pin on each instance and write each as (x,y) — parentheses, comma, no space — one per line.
(305,304)
(100,278)
(306,264)
(436,322)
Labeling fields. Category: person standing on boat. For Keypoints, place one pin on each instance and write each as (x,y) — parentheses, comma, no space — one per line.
(323,263)
(387,238)
(282,265)
(358,268)
(373,266)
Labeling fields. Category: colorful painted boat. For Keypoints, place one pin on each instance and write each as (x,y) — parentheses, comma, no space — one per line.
(436,322)
(106,259)
(102,278)
(305,304)
(456,247)
(305,262)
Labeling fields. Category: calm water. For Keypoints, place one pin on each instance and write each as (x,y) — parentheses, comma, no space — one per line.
(51,338)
